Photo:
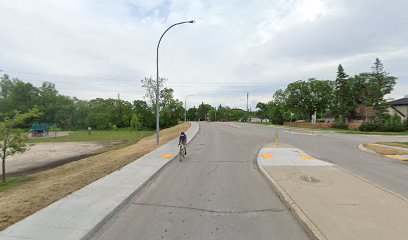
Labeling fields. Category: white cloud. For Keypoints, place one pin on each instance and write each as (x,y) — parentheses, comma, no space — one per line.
(101,48)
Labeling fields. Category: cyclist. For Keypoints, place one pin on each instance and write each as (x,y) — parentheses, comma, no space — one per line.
(183,140)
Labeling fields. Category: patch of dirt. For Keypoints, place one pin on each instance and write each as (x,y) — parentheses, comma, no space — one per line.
(43,156)
(53,184)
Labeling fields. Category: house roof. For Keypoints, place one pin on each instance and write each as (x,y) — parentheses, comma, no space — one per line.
(402,101)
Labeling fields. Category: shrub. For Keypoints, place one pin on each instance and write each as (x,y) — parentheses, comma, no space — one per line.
(386,124)
(371,126)
(394,124)
(340,125)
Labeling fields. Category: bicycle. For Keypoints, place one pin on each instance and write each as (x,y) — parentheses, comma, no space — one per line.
(182,151)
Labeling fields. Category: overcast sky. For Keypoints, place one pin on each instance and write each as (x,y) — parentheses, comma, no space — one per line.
(102,48)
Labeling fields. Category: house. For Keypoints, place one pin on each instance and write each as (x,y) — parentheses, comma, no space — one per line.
(399,107)
(364,112)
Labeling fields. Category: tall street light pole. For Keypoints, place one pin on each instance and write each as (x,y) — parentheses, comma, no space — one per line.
(185,107)
(157,82)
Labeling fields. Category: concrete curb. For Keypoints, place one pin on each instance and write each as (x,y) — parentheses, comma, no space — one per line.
(311,229)
(364,149)
(138,190)
(80,214)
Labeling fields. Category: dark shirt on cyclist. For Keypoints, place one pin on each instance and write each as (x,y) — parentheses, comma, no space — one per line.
(182,138)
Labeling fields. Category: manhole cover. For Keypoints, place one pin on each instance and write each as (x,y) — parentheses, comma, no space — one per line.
(309,179)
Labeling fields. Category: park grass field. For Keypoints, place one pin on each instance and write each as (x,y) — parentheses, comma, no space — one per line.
(95,136)
(44,188)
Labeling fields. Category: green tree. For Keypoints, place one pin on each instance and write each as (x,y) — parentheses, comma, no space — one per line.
(345,103)
(277,108)
(379,85)
(203,110)
(145,113)
(12,140)
(150,86)
(171,110)
(237,114)
(307,97)
(135,124)
(16,95)
(192,114)
(263,111)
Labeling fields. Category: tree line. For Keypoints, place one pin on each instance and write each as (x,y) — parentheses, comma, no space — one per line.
(17,96)
(206,112)
(339,98)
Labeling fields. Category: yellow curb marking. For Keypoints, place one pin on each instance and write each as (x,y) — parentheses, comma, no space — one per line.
(267,155)
(305,157)
(397,157)
(169,155)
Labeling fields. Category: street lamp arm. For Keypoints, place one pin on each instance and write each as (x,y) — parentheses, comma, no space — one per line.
(158,44)
(157,80)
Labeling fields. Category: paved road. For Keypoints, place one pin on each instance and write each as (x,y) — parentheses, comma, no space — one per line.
(342,150)
(216,193)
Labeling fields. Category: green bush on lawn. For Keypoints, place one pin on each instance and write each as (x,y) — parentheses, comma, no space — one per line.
(387,124)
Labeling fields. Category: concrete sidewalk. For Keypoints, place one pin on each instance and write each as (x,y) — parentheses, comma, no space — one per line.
(330,202)
(79,214)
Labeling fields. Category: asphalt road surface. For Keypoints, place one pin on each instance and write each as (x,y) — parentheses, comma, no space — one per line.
(342,150)
(215,193)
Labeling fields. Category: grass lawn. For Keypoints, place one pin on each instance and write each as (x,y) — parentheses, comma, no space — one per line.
(385,150)
(13,182)
(83,136)
(348,131)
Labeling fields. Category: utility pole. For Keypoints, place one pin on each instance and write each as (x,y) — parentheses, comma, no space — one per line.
(247,101)
(247,107)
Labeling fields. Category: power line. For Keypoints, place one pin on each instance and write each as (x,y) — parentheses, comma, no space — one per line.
(138,80)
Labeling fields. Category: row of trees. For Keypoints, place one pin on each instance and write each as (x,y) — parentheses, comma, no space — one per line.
(207,112)
(339,98)
(67,112)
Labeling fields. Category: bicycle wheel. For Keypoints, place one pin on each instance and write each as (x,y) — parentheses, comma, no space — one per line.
(181,153)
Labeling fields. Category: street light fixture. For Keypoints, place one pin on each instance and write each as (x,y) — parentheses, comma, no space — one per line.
(185,107)
(157,81)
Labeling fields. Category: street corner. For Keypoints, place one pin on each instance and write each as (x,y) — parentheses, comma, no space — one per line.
(287,156)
